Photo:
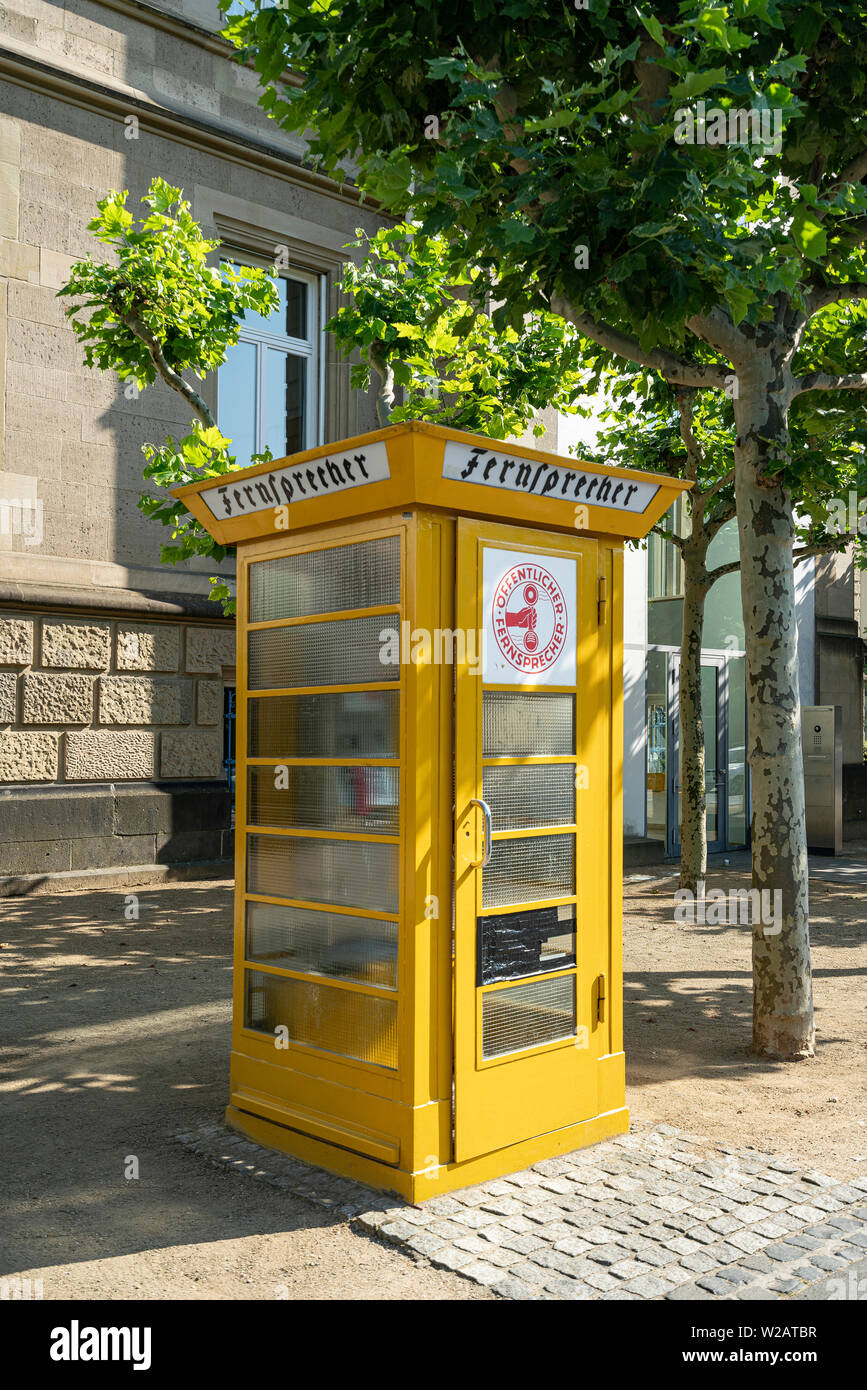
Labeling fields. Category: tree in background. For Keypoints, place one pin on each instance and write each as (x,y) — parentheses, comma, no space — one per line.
(688,179)
(690,434)
(159,309)
(410,319)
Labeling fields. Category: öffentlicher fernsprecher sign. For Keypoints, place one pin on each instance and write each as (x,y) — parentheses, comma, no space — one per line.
(478,464)
(318,477)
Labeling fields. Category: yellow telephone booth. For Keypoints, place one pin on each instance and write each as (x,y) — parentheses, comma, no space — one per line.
(428,986)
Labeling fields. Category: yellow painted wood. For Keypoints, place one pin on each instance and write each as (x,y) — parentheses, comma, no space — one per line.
(395,1127)
(499,1101)
(415,459)
(439,1178)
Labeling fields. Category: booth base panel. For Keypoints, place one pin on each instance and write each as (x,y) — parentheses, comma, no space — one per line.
(431,1182)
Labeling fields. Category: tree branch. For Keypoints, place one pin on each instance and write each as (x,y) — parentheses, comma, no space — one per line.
(822,295)
(822,381)
(168,373)
(385,394)
(718,521)
(820,548)
(717,330)
(731,568)
(719,485)
(667,536)
(853,173)
(677,370)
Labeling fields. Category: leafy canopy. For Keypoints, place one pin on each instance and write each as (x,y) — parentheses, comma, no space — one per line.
(408,310)
(545,142)
(158,308)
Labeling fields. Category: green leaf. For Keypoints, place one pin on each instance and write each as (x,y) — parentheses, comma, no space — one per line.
(808,234)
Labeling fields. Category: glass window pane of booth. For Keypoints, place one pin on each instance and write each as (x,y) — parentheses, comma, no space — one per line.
(302,790)
(355,723)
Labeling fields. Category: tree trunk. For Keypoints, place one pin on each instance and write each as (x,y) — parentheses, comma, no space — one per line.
(782,985)
(693,824)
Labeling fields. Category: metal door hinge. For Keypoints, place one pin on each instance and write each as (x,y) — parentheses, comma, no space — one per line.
(601,598)
(601,998)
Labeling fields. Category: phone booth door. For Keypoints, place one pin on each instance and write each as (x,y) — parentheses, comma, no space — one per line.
(532,772)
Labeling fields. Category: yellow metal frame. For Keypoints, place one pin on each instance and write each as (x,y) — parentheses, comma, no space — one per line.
(393,1128)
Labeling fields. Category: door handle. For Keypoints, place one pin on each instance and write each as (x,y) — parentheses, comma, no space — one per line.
(489,837)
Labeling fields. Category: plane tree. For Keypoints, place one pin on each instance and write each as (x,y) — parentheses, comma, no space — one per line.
(688,178)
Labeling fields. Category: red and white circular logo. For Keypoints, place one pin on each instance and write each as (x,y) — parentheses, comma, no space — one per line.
(529,617)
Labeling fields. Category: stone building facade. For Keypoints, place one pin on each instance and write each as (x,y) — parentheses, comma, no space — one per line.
(113,667)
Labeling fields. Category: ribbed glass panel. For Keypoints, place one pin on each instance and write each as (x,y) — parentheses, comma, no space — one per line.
(529,1015)
(350,873)
(518,725)
(356,723)
(363,949)
(527,870)
(335,1020)
(366,575)
(528,796)
(324,798)
(347,651)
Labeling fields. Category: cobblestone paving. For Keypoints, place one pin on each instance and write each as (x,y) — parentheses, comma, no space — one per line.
(648,1215)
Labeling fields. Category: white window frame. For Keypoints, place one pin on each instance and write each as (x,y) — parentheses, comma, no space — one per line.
(311,348)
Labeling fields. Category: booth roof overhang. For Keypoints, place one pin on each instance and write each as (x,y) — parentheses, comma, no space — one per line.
(421,465)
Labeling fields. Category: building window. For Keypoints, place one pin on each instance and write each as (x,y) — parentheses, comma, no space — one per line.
(268,386)
(664,565)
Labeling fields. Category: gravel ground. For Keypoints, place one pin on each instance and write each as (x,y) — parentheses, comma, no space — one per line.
(114,1038)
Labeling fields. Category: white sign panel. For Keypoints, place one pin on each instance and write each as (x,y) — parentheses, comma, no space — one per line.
(530,618)
(318,477)
(490,468)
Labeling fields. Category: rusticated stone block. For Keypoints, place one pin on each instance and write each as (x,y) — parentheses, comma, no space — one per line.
(209,702)
(191,754)
(209,649)
(153,648)
(16,641)
(28,757)
(100,755)
(85,645)
(57,699)
(140,700)
(7,697)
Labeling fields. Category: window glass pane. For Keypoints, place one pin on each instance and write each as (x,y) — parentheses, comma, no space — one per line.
(324,798)
(335,1020)
(348,651)
(525,871)
(657,743)
(236,386)
(526,796)
(313,942)
(283,402)
(528,1015)
(357,723)
(296,294)
(665,622)
(366,575)
(350,873)
(522,726)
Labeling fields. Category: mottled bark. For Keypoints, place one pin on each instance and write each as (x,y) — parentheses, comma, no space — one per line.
(782,998)
(385,393)
(693,824)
